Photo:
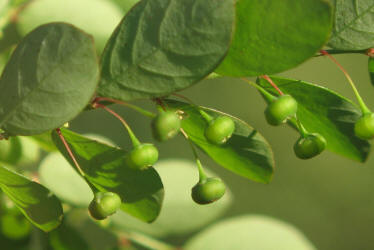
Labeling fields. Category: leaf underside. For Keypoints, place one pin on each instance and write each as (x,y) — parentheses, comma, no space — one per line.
(326,112)
(104,166)
(162,46)
(246,153)
(353,25)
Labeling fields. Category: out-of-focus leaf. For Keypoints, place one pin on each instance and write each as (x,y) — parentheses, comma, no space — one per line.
(35,201)
(250,232)
(178,177)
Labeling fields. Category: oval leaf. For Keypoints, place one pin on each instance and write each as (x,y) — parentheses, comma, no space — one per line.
(36,202)
(165,45)
(247,153)
(328,113)
(105,168)
(353,25)
(50,78)
(250,232)
(272,36)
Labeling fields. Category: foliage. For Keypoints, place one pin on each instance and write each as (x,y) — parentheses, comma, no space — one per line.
(51,73)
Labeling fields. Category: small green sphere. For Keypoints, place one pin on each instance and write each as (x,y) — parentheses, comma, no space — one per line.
(364,127)
(166,125)
(208,191)
(310,146)
(220,130)
(142,156)
(104,204)
(280,110)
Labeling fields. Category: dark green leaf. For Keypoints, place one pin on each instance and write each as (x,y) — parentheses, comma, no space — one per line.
(66,238)
(165,45)
(328,113)
(272,36)
(36,202)
(50,78)
(371,69)
(247,153)
(105,168)
(353,25)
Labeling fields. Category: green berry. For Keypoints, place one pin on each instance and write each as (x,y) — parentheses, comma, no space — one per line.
(364,127)
(220,130)
(280,110)
(309,146)
(104,204)
(142,156)
(208,191)
(166,125)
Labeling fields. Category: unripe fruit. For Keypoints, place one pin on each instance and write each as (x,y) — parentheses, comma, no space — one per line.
(280,110)
(310,146)
(364,127)
(219,130)
(166,125)
(208,191)
(142,156)
(104,204)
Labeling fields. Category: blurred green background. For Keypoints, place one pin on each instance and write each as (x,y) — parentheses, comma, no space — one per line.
(329,198)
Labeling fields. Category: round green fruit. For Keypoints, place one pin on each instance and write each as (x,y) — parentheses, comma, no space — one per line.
(166,125)
(104,204)
(208,191)
(142,156)
(364,127)
(219,130)
(309,146)
(280,110)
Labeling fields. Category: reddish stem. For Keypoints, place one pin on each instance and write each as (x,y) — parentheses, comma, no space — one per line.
(267,78)
(160,102)
(69,151)
(133,138)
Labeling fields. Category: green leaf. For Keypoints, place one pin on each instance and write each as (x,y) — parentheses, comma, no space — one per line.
(44,141)
(272,36)
(10,150)
(353,25)
(57,175)
(125,5)
(67,238)
(35,201)
(371,69)
(105,168)
(328,113)
(178,177)
(50,78)
(162,46)
(247,153)
(250,232)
